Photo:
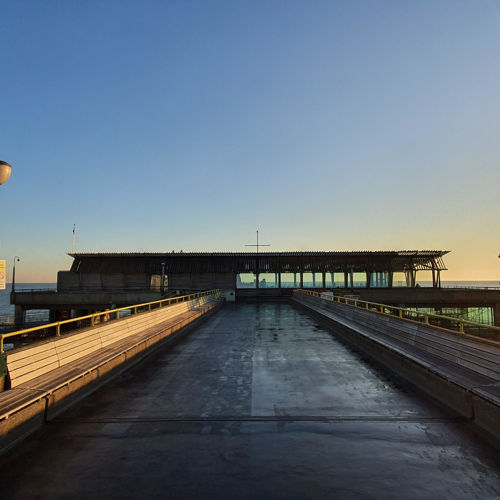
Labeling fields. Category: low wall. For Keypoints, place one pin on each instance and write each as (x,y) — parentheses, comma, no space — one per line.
(461,372)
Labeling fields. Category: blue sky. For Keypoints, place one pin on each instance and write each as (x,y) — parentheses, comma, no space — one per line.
(162,125)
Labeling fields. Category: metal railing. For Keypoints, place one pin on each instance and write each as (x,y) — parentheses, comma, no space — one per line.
(59,327)
(455,325)
(470,287)
(97,289)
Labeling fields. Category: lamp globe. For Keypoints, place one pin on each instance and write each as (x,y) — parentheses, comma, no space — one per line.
(5,171)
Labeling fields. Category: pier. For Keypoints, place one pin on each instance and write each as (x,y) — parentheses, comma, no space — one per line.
(261,400)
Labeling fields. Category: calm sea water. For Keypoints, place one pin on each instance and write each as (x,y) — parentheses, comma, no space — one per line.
(7,310)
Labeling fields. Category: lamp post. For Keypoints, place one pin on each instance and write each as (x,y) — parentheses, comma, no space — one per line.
(16,259)
(162,284)
(5,171)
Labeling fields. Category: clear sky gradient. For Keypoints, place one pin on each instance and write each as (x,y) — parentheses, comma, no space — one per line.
(327,125)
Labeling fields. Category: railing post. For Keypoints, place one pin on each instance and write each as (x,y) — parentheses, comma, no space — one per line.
(92,320)
(401,313)
(426,319)
(461,327)
(1,344)
(58,329)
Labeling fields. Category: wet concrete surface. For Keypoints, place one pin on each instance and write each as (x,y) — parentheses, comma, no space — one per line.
(259,402)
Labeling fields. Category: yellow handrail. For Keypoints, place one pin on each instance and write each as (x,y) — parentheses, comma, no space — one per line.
(399,311)
(92,317)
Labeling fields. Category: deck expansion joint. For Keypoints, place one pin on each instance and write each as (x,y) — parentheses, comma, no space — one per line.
(265,419)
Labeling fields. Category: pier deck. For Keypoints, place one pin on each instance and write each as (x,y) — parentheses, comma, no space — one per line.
(259,402)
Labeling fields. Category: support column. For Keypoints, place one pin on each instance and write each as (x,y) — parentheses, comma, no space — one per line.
(19,316)
(368,279)
(346,283)
(257,267)
(301,280)
(351,276)
(496,314)
(390,277)
(324,281)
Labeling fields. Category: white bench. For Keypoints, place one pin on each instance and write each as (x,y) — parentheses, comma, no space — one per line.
(38,370)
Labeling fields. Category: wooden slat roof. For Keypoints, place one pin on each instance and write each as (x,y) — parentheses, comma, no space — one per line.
(240,262)
(413,253)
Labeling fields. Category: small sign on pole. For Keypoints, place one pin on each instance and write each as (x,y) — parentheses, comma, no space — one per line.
(3,269)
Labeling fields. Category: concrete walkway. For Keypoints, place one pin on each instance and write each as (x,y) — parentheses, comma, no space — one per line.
(259,402)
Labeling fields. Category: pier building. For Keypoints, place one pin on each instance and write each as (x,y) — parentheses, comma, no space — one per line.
(97,281)
(102,280)
(249,270)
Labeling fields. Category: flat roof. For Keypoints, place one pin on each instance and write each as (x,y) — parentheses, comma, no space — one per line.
(244,262)
(391,253)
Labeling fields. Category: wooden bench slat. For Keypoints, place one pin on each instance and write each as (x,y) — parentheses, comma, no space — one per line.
(40,356)
(26,352)
(61,349)
(21,369)
(19,378)
(13,399)
(84,350)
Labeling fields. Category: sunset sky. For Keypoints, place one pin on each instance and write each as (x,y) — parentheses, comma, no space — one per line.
(327,125)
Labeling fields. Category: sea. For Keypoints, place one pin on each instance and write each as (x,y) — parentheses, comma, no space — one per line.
(7,309)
